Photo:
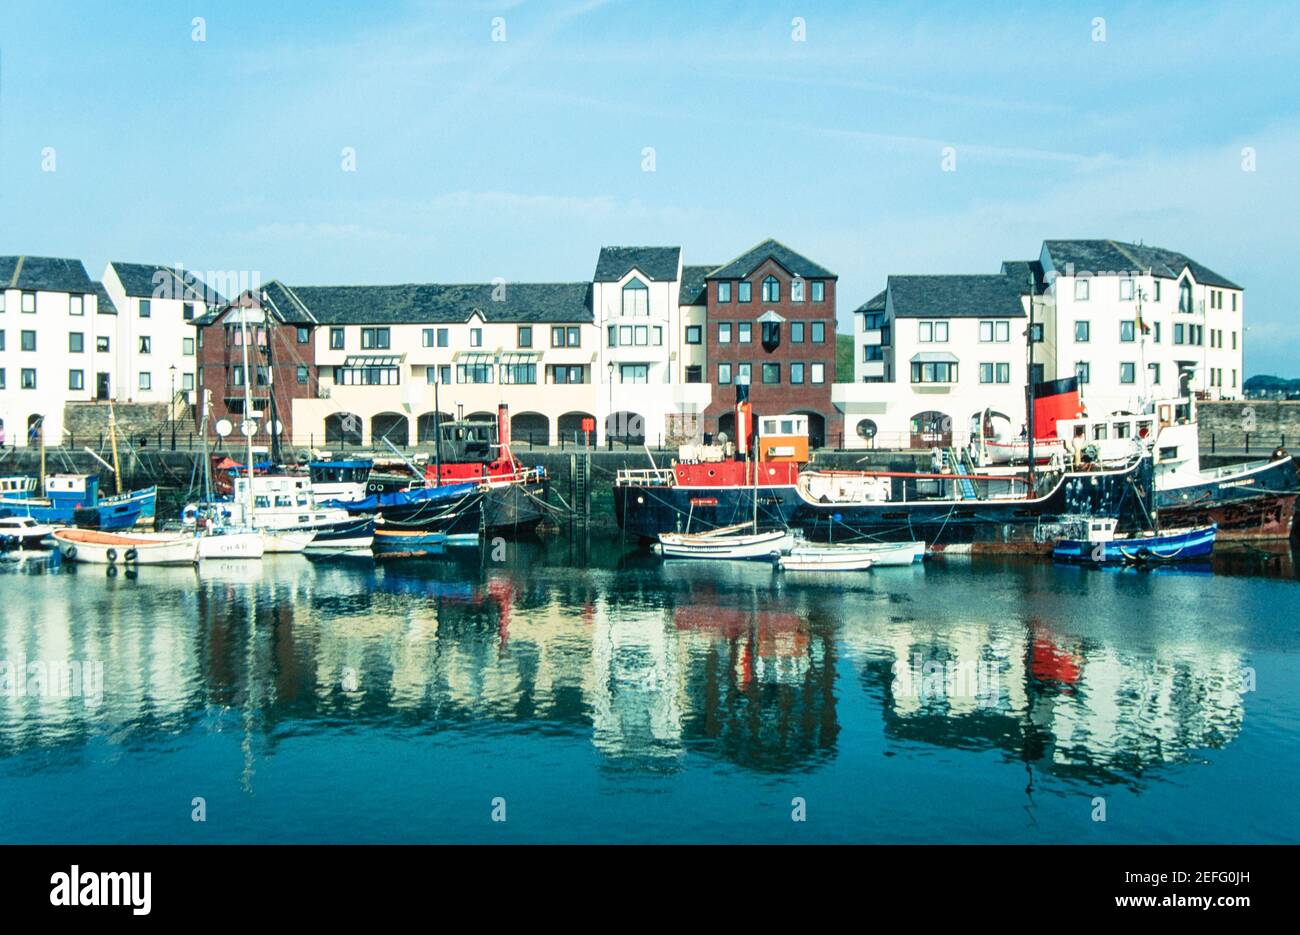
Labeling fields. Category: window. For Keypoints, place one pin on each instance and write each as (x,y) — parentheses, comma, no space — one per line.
(694,374)
(1127,373)
(611,336)
(1081,290)
(76,342)
(694,334)
(1155,332)
(2,300)
(426,337)
(771,373)
(1157,290)
(724,332)
(567,373)
(562,336)
(743,372)
(1127,332)
(818,291)
(724,373)
(262,375)
(818,370)
(440,374)
(28,378)
(724,292)
(1234,341)
(1126,290)
(744,291)
(146,344)
(524,337)
(796,332)
(1185,303)
(625,335)
(819,332)
(473,373)
(518,373)
(634,373)
(187,347)
(336,339)
(146,380)
(302,334)
(28,340)
(2,340)
(1004,373)
(796,373)
(657,333)
(872,352)
(1036,333)
(374,339)
(1036,373)
(796,289)
(378,375)
(1155,372)
(303,375)
(744,332)
(986,373)
(1083,371)
(101,345)
(1179,332)
(1234,308)
(29,306)
(771,289)
(189,310)
(642,335)
(636,298)
(993,331)
(237,375)
(146,309)
(75,305)
(771,333)
(76,379)
(3,383)
(933,332)
(475,337)
(933,372)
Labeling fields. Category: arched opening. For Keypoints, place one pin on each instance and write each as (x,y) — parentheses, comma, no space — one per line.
(931,429)
(626,427)
(392,426)
(816,427)
(726,426)
(343,428)
(35,428)
(570,428)
(531,427)
(481,417)
(426,425)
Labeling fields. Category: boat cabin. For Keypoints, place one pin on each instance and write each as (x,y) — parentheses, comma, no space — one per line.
(783,438)
(17,487)
(340,479)
(1167,431)
(72,490)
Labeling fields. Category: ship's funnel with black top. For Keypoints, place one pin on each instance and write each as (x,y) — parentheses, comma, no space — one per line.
(1052,401)
(744,419)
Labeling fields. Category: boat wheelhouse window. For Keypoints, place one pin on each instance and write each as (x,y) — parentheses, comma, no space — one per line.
(302,501)
(1099,433)
(261,502)
(787,426)
(284,501)
(1122,429)
(1168,454)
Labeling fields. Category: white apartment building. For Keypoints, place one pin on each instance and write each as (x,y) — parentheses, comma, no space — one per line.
(156,344)
(58,331)
(651,360)
(1131,322)
(933,352)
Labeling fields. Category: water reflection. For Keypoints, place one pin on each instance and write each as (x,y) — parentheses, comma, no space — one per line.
(1085,675)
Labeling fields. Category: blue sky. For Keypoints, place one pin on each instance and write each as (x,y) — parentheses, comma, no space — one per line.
(477,159)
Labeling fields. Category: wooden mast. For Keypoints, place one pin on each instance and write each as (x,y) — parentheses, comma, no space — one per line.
(112,439)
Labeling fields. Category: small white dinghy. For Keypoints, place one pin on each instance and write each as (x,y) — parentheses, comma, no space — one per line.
(893,553)
(827,558)
(142,548)
(726,542)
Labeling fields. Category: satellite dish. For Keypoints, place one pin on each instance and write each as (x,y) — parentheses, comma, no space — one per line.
(248,427)
(277,427)
(224,427)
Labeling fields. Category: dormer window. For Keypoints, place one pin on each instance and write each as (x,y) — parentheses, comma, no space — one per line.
(1185,296)
(636,298)
(796,289)
(771,290)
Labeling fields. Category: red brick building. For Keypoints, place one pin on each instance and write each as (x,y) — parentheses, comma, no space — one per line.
(281,355)
(771,323)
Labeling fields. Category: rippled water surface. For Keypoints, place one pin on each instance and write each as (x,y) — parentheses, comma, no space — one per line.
(594,693)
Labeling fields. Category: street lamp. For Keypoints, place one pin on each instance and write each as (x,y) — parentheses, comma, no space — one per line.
(171,408)
(609,414)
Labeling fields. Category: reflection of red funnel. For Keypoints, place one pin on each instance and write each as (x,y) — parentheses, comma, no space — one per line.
(1049,663)
(730,622)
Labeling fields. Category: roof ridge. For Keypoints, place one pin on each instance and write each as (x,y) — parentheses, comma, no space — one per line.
(18,271)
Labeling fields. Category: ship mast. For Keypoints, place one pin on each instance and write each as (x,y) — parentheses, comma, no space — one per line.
(1029,393)
(248,408)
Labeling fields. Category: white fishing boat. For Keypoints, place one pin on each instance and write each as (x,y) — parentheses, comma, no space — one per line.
(109,548)
(727,542)
(826,558)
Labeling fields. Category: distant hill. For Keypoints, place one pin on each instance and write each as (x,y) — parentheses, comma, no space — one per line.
(1266,382)
(843,358)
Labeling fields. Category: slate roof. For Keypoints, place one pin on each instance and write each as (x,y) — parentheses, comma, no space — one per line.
(1112,256)
(955,297)
(150,280)
(792,262)
(44,273)
(106,304)
(1025,272)
(426,303)
(658,264)
(874,304)
(694,282)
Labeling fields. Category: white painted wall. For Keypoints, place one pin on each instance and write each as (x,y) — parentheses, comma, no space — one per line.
(172,343)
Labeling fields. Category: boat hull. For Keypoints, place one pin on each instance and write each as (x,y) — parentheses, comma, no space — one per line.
(97,547)
(515,507)
(400,543)
(752,546)
(245,545)
(1170,546)
(349,535)
(646,510)
(819,561)
(1251,504)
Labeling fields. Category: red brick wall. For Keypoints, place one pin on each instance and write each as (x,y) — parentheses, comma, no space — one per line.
(216,358)
(784,396)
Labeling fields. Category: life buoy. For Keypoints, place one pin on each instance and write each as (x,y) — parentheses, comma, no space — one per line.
(70,552)
(190,515)
(111,555)
(131,555)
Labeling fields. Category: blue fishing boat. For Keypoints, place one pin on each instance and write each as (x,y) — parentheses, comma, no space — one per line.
(1102,545)
(73,499)
(415,543)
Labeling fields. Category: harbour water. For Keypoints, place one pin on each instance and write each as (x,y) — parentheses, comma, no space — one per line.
(586,691)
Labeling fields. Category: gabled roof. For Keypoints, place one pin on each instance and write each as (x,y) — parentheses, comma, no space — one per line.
(1113,256)
(1025,272)
(151,280)
(106,304)
(692,291)
(658,264)
(955,297)
(426,303)
(45,274)
(794,263)
(874,304)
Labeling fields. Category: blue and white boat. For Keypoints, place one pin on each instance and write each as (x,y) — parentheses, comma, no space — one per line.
(1102,545)
(73,499)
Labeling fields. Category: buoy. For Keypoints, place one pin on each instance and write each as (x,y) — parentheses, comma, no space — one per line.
(111,555)
(131,555)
